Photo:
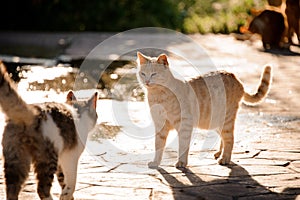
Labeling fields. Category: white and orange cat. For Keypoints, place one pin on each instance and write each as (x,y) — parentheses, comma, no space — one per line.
(51,136)
(207,102)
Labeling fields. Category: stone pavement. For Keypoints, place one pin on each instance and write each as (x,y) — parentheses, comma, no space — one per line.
(268,167)
(266,157)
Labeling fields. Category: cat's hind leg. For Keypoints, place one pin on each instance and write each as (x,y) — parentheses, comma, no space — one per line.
(227,150)
(60,177)
(219,152)
(227,137)
(16,168)
(45,167)
(17,159)
(227,140)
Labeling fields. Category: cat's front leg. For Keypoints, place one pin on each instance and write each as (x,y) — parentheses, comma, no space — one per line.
(68,163)
(160,142)
(184,146)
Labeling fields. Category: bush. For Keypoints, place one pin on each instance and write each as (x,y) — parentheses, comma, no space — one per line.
(218,16)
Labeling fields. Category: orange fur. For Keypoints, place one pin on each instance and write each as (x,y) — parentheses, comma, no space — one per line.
(207,102)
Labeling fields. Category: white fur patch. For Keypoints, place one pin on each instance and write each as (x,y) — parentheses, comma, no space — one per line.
(52,132)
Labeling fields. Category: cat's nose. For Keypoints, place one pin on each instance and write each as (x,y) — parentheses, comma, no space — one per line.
(147,82)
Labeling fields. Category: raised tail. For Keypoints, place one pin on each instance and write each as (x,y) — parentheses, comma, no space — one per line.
(11,103)
(263,89)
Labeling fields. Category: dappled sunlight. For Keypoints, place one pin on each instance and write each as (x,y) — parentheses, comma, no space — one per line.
(122,142)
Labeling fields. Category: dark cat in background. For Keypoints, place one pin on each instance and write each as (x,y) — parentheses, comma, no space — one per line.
(270,25)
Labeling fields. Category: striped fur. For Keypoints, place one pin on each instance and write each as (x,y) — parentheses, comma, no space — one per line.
(12,104)
(262,90)
(51,136)
(207,102)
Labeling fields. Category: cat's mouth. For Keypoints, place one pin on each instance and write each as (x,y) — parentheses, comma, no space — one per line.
(149,85)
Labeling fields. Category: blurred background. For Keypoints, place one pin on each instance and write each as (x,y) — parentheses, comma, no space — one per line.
(43,44)
(187,16)
(55,28)
(52,33)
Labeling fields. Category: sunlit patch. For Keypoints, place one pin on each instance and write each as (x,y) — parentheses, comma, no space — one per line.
(58,78)
(104,131)
(271,101)
(114,76)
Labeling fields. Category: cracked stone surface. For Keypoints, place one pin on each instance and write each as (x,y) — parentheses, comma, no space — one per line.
(266,156)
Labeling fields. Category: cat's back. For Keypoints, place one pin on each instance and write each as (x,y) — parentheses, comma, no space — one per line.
(58,123)
(57,111)
(216,92)
(217,79)
(215,86)
(267,20)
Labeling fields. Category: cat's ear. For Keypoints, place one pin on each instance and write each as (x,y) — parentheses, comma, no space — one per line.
(93,101)
(163,59)
(70,97)
(141,59)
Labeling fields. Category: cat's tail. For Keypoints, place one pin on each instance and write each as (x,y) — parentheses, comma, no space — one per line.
(11,103)
(263,89)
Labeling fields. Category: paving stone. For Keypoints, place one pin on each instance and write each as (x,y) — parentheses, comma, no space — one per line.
(280,155)
(266,156)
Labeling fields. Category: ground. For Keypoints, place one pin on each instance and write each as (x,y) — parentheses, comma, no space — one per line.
(266,156)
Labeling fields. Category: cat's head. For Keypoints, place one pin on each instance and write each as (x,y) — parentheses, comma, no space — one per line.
(153,71)
(86,110)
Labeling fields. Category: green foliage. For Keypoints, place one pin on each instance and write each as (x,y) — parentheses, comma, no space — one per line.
(218,16)
(189,16)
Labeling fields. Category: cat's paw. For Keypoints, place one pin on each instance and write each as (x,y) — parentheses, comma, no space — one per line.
(153,165)
(180,164)
(217,154)
(47,198)
(67,194)
(224,161)
(66,198)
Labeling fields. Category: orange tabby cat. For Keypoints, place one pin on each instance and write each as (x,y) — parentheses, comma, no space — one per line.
(207,102)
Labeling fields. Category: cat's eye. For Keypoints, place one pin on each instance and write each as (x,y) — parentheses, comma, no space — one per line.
(153,74)
(143,74)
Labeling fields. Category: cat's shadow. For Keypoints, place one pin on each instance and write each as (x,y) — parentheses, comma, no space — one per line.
(238,184)
(282,52)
